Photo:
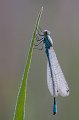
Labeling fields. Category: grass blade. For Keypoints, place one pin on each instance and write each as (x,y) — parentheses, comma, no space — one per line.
(19,113)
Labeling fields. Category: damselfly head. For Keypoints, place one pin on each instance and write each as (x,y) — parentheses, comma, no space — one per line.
(46,32)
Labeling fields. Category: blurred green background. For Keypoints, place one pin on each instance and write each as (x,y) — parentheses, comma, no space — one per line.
(17,20)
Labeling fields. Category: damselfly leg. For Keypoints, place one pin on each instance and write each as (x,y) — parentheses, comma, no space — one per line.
(38,43)
(39,48)
(39,40)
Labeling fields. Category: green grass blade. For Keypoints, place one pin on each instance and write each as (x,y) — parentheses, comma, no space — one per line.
(19,113)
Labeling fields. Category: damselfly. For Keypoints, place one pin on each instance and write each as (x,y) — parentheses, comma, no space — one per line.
(56,82)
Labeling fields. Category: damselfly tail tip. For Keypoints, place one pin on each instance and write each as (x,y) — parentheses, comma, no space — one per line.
(54,113)
(54,107)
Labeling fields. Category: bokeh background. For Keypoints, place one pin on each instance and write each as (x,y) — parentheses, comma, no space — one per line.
(17,21)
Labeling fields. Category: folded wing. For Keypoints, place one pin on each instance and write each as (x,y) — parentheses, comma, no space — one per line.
(61,86)
(50,81)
